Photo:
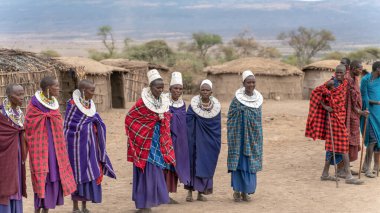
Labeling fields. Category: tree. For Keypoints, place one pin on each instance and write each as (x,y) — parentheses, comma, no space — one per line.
(307,43)
(245,44)
(153,51)
(335,55)
(107,38)
(204,41)
(369,54)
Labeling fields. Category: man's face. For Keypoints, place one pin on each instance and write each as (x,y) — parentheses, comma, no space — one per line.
(339,74)
(357,70)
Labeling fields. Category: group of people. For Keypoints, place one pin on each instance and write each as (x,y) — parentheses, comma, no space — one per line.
(340,112)
(66,156)
(167,143)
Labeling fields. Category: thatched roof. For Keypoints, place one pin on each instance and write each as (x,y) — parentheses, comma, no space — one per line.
(133,64)
(325,65)
(90,66)
(259,66)
(23,61)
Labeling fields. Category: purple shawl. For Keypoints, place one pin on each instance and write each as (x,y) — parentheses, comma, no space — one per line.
(86,148)
(178,129)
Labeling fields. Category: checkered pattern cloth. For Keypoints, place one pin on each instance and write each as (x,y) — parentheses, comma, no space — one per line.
(318,127)
(248,120)
(37,142)
(139,127)
(354,101)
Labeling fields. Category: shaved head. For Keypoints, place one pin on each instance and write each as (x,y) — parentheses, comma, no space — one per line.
(85,84)
(11,88)
(341,67)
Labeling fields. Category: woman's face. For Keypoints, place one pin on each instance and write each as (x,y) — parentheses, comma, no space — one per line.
(206,91)
(176,91)
(89,92)
(157,87)
(54,89)
(17,96)
(249,84)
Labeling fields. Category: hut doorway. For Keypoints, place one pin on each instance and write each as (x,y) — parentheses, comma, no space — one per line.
(117,90)
(69,83)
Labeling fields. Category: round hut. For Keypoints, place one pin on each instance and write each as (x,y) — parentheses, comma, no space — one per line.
(26,69)
(274,79)
(316,74)
(106,96)
(134,79)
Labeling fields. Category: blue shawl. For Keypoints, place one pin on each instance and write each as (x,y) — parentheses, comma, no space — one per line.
(204,137)
(370,90)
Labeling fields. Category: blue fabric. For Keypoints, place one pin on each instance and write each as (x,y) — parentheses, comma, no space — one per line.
(242,180)
(155,155)
(15,206)
(89,191)
(204,137)
(338,157)
(370,90)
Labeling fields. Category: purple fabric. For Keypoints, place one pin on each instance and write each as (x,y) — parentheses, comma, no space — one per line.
(15,206)
(89,191)
(86,140)
(54,192)
(178,129)
(149,187)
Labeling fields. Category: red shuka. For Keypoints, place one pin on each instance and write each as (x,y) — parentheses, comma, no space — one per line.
(37,141)
(139,126)
(318,127)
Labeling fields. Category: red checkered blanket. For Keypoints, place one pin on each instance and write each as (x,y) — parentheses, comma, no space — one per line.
(318,127)
(139,126)
(37,142)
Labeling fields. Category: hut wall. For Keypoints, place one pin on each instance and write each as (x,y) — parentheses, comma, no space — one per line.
(29,80)
(134,82)
(286,87)
(312,79)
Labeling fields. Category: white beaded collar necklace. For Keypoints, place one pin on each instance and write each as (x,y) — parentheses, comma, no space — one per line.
(52,106)
(149,101)
(89,112)
(203,113)
(254,101)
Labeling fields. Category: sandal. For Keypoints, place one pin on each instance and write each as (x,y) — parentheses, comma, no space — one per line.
(201,197)
(237,196)
(370,175)
(85,210)
(189,197)
(329,178)
(77,211)
(354,172)
(354,181)
(246,197)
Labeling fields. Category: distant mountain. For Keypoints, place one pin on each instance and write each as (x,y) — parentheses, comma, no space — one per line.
(350,20)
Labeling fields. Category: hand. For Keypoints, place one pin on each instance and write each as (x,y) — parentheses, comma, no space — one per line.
(364,113)
(328,109)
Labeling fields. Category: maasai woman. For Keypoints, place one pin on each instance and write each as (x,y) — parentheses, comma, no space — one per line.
(150,148)
(12,151)
(245,138)
(85,133)
(52,176)
(204,136)
(178,130)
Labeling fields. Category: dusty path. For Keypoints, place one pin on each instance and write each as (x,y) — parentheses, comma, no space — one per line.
(289,182)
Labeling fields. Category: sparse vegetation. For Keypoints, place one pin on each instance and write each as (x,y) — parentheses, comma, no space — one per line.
(50,53)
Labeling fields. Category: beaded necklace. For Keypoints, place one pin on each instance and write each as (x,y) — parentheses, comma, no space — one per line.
(49,101)
(206,106)
(85,103)
(177,103)
(17,118)
(157,103)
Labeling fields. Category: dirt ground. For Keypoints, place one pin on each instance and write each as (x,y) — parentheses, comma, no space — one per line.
(289,181)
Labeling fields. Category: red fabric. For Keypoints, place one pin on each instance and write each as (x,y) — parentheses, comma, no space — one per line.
(10,136)
(139,126)
(318,127)
(37,141)
(354,101)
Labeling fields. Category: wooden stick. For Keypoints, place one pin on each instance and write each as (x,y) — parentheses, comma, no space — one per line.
(363,139)
(333,149)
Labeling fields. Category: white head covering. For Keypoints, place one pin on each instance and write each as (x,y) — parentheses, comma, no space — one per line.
(153,75)
(176,79)
(208,82)
(246,74)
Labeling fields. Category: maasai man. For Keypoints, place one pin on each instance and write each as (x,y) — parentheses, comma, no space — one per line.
(245,138)
(150,148)
(322,103)
(370,89)
(204,136)
(354,109)
(52,176)
(12,151)
(346,62)
(178,130)
(85,133)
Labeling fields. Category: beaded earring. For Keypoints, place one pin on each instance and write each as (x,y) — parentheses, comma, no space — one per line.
(48,93)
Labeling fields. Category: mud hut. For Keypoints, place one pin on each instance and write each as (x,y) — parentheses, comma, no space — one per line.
(26,69)
(274,79)
(131,81)
(85,68)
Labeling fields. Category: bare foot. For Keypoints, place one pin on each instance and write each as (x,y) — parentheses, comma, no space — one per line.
(237,196)
(201,197)
(246,197)
(354,181)
(189,197)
